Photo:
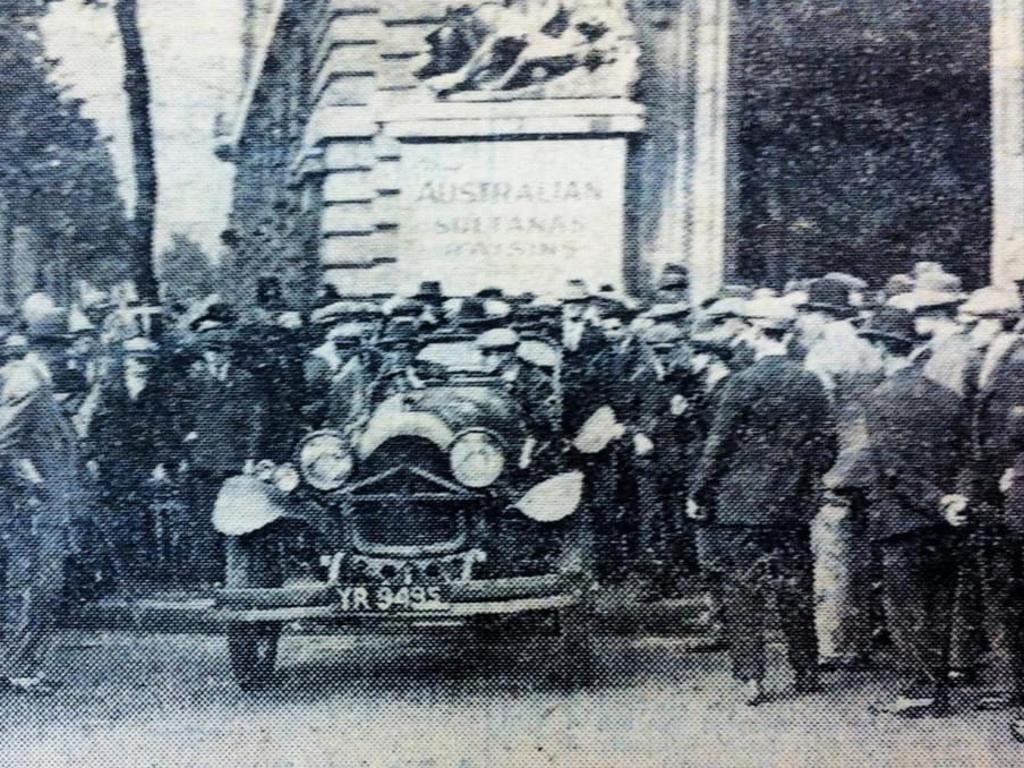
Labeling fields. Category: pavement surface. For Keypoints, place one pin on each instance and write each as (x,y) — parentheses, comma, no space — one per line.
(153,700)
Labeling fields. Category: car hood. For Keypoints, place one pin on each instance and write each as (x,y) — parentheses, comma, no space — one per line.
(439,414)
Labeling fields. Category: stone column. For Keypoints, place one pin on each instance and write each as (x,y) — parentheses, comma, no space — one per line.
(709,182)
(343,127)
(1007,73)
(659,164)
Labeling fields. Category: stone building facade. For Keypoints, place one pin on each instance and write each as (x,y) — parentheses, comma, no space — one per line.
(688,157)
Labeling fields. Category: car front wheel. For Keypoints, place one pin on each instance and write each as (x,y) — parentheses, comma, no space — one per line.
(252,646)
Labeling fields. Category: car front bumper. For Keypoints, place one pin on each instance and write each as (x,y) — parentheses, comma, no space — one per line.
(481,597)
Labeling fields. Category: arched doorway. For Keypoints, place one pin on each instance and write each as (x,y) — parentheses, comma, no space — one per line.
(861,136)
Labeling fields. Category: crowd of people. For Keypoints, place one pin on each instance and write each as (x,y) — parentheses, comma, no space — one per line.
(758,441)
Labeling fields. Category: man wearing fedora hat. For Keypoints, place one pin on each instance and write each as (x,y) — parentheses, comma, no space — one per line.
(918,431)
(849,368)
(673,284)
(755,492)
(347,401)
(986,590)
(49,340)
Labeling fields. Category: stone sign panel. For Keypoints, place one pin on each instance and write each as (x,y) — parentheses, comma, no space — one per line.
(520,215)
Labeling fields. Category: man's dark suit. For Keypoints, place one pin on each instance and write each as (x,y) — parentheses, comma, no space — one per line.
(39,516)
(128,437)
(223,425)
(918,431)
(758,480)
(994,595)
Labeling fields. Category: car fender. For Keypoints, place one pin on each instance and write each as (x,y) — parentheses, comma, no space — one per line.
(246,504)
(553,499)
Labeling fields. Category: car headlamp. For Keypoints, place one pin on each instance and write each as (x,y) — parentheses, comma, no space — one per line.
(286,478)
(325,460)
(476,459)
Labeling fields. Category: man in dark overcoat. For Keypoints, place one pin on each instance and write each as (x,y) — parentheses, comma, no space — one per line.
(41,492)
(756,489)
(223,426)
(918,433)
(993,387)
(134,444)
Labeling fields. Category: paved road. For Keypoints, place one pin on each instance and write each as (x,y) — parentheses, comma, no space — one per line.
(165,700)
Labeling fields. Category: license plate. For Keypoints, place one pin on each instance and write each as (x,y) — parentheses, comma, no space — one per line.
(384,598)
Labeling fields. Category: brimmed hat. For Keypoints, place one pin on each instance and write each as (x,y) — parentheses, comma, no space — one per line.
(347,332)
(37,306)
(726,307)
(403,307)
(490,293)
(400,330)
(217,316)
(828,294)
(933,289)
(852,282)
(49,327)
(674,277)
(538,353)
(475,312)
(497,339)
(668,311)
(537,316)
(891,323)
(662,335)
(575,292)
(429,292)
(992,302)
(344,309)
(613,304)
(772,312)
(140,346)
(729,291)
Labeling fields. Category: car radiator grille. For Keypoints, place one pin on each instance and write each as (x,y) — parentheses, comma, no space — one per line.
(399,523)
(392,516)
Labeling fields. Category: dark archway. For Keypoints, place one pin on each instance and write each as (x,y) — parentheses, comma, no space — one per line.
(863,137)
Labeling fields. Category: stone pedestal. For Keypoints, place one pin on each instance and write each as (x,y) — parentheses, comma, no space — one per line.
(1007,141)
(523,195)
(518,189)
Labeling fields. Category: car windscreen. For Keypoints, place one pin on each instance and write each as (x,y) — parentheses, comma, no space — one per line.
(453,357)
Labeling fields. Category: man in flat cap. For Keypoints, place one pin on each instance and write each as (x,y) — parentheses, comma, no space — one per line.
(223,422)
(271,339)
(42,496)
(672,395)
(756,490)
(134,445)
(338,371)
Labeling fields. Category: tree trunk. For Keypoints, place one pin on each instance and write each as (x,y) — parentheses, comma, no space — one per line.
(6,253)
(136,86)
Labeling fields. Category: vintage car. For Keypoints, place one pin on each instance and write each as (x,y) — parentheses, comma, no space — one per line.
(430,514)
